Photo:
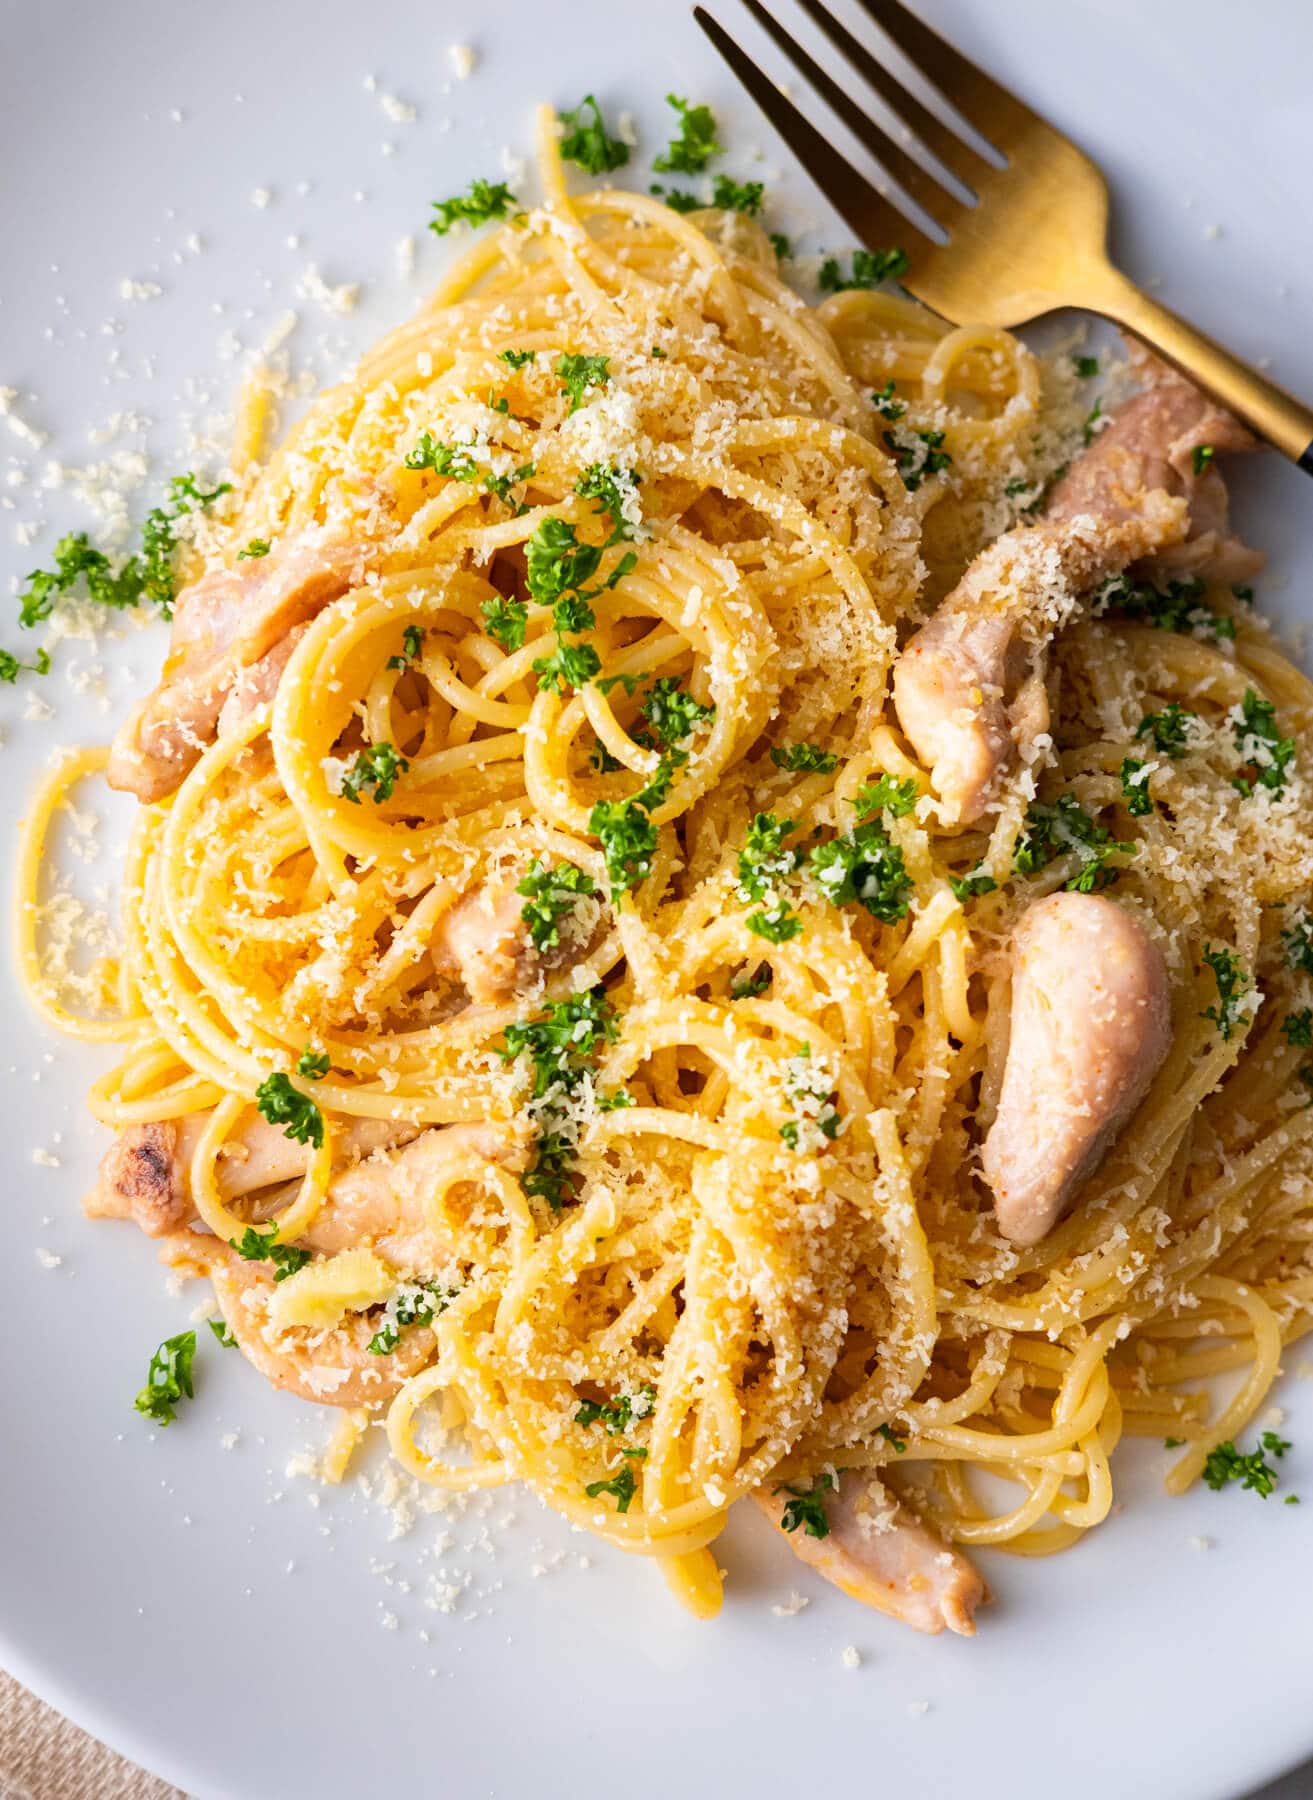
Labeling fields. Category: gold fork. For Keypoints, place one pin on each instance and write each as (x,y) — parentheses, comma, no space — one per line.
(1033,238)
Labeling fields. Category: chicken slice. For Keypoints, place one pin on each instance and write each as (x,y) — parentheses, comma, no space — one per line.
(145,1175)
(1150,444)
(880,1553)
(223,626)
(334,1368)
(1091,1025)
(969,687)
(484,942)
(378,1201)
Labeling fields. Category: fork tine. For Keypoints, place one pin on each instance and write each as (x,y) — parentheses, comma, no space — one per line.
(957,156)
(873,219)
(909,175)
(990,108)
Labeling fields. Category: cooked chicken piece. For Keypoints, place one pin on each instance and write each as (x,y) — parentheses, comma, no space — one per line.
(484,942)
(880,1553)
(258,683)
(223,625)
(1150,444)
(379,1201)
(969,688)
(335,1368)
(1091,1024)
(145,1175)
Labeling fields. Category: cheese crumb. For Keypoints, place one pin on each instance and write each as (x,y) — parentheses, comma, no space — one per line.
(338,300)
(791,1607)
(851,1657)
(261,197)
(48,1259)
(461,57)
(45,1159)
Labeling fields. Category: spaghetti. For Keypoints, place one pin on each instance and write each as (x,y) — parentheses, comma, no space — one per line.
(701,1215)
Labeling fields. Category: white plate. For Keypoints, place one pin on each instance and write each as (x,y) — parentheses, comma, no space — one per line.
(196,1606)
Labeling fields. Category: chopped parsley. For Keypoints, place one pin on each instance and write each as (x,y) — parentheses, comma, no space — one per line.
(223,1331)
(897,798)
(611,487)
(806,1508)
(168,1379)
(282,1104)
(1201,456)
(617,1415)
(255,1245)
(884,403)
(866,866)
(747,987)
(780,244)
(1226,1464)
(966,887)
(737,196)
(1052,831)
(673,713)
(158,542)
(1085,366)
(1093,422)
(1297,1028)
(256,548)
(1170,729)
(689,152)
(1297,943)
(376,768)
(1135,787)
(410,1305)
(620,1486)
(557,564)
(1233,989)
(764,864)
(579,373)
(678,199)
(1265,752)
(485,200)
(918,459)
(569,665)
(586,141)
(550,893)
(505,622)
(1173,608)
(11,668)
(628,839)
(146,576)
(412,641)
(313,1065)
(803,759)
(561,1045)
(889,1435)
(516,359)
(444,459)
(810,1085)
(870,268)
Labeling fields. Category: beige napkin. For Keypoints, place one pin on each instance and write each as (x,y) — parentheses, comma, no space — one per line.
(43,1757)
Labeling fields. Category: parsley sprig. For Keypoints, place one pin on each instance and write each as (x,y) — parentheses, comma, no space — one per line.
(1267,755)
(282,1103)
(580,373)
(917,454)
(689,152)
(1233,990)
(485,200)
(1173,608)
(550,893)
(375,769)
(806,1507)
(586,141)
(869,269)
(413,1304)
(765,864)
(169,1379)
(255,1245)
(1226,1464)
(560,1049)
(1057,830)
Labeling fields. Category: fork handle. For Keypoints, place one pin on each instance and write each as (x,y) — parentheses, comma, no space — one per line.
(1264,407)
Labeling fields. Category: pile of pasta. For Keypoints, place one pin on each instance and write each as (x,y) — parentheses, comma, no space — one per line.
(765,1299)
